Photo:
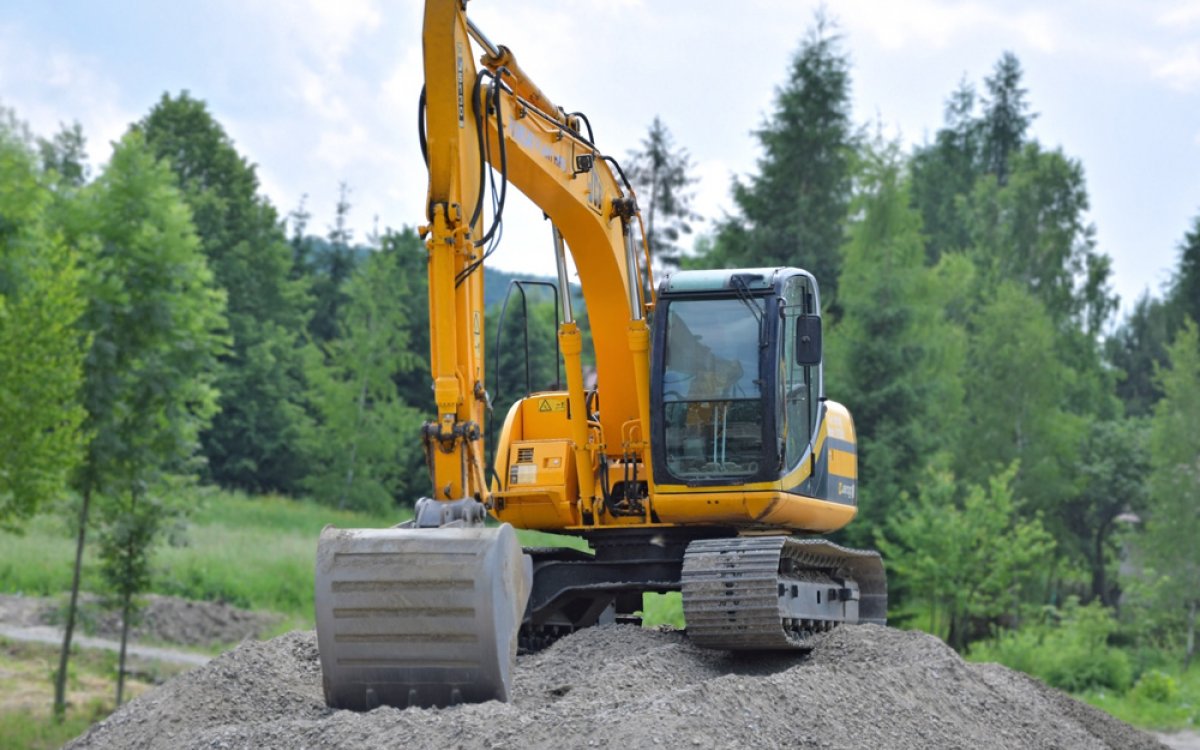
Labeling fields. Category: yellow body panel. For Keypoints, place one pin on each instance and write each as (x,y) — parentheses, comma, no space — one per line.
(758,508)
(539,487)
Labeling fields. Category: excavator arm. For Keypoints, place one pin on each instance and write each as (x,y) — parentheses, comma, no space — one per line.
(428,613)
(497,116)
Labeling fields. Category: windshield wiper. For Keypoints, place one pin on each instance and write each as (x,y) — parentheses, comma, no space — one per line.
(743,292)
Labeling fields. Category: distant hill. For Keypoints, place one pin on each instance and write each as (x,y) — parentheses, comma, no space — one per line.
(320,247)
(495,285)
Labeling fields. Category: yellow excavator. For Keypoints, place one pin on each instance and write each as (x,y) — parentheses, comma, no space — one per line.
(705,459)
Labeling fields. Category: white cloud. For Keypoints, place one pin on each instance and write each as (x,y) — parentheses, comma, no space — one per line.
(322,30)
(712,201)
(1179,68)
(937,24)
(49,87)
(338,22)
(1180,15)
(1037,29)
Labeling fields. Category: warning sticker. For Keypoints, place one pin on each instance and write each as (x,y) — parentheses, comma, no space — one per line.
(522,474)
(556,404)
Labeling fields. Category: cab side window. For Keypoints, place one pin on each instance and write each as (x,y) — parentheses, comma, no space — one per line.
(797,381)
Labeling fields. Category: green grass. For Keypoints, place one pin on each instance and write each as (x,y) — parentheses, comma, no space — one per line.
(38,732)
(38,562)
(256,553)
(543,539)
(662,609)
(252,552)
(26,693)
(1165,699)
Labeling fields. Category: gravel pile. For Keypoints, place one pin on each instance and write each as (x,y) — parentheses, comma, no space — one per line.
(625,687)
(165,619)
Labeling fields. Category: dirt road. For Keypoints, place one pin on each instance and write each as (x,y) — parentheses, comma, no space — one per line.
(1180,740)
(54,636)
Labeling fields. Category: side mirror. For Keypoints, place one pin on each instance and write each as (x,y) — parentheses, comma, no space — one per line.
(808,340)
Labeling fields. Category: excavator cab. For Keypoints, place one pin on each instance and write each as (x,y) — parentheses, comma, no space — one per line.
(737,390)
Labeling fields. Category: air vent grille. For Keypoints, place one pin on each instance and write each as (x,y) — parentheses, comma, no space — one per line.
(524,455)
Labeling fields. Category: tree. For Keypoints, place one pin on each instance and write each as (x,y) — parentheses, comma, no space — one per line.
(793,211)
(893,356)
(1114,463)
(966,148)
(365,443)
(945,171)
(964,552)
(1016,386)
(1032,229)
(302,244)
(66,155)
(661,175)
(1184,294)
(155,320)
(1006,116)
(1137,348)
(41,298)
(1173,526)
(253,441)
(131,525)
(330,270)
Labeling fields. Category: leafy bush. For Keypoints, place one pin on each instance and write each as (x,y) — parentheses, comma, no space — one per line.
(1071,654)
(1156,686)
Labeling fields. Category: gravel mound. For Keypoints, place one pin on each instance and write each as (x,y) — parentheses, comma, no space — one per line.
(626,687)
(165,619)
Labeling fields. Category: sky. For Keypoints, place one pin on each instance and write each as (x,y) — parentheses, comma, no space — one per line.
(318,93)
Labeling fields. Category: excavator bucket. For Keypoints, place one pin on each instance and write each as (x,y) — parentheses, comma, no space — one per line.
(419,616)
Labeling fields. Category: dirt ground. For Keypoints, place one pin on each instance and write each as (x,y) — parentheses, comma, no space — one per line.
(1180,740)
(164,619)
(625,687)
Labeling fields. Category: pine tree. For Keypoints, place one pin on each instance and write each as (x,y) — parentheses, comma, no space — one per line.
(1136,349)
(1006,116)
(66,155)
(1185,282)
(794,210)
(1138,346)
(945,171)
(330,271)
(661,176)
